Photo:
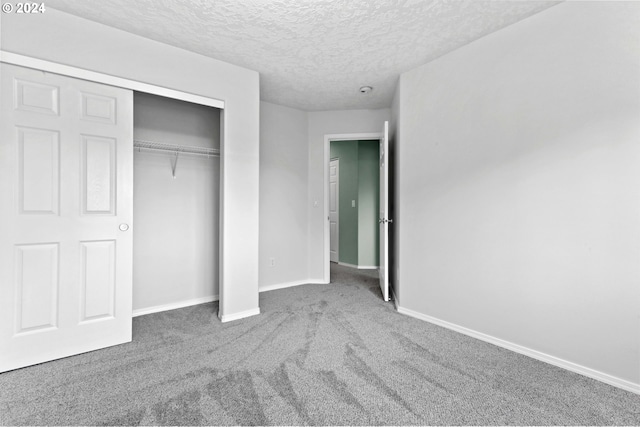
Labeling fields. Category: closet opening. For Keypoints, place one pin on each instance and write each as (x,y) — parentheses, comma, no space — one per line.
(176,199)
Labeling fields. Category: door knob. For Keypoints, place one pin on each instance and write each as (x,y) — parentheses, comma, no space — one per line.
(123,227)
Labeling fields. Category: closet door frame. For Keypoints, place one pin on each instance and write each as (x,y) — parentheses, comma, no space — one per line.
(93,76)
(69,71)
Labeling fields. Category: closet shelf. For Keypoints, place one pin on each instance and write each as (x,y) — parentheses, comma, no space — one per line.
(176,149)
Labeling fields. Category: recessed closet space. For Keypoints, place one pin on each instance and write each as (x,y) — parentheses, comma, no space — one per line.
(176,203)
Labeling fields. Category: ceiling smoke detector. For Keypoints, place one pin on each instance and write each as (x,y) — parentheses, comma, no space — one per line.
(366,89)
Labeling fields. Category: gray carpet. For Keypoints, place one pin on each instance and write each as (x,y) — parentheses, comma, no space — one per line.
(318,355)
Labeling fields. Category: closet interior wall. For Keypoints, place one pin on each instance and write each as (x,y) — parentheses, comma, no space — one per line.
(176,211)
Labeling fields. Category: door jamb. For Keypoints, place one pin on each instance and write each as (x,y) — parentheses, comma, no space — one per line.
(327,154)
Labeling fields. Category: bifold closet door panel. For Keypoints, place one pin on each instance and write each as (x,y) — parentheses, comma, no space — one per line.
(66,194)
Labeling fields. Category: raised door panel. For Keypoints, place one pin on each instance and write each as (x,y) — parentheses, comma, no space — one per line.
(36,97)
(98,108)
(39,170)
(333,199)
(36,287)
(334,236)
(98,280)
(99,177)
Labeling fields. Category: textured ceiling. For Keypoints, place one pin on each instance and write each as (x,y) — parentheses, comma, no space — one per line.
(313,54)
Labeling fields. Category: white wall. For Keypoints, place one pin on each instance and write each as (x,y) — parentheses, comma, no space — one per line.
(283,195)
(322,123)
(519,170)
(176,239)
(291,179)
(63,38)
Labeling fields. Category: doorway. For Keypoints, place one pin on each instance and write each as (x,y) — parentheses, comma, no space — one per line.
(349,204)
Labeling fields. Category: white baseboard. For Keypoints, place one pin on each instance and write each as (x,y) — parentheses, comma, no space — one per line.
(360,267)
(283,285)
(196,301)
(552,360)
(174,305)
(395,299)
(347,264)
(317,282)
(292,284)
(238,316)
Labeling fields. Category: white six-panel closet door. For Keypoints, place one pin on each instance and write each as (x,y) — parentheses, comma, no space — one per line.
(66,187)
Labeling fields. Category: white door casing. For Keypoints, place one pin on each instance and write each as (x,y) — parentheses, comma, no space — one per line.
(66,193)
(384,213)
(334,209)
(327,151)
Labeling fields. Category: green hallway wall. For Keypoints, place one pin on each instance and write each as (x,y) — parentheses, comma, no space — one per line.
(368,202)
(359,181)
(347,152)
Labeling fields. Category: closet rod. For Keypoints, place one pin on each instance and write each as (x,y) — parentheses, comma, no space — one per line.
(177,149)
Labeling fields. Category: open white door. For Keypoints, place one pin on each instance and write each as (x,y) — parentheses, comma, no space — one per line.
(66,180)
(384,213)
